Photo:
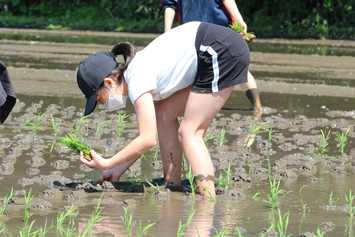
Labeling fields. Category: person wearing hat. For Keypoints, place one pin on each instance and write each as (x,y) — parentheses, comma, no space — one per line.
(189,70)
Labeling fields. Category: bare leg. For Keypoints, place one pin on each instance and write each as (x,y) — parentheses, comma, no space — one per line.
(200,109)
(167,113)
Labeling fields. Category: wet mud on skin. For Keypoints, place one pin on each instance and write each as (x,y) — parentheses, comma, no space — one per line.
(305,86)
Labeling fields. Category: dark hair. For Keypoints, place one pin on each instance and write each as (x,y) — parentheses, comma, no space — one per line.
(128,51)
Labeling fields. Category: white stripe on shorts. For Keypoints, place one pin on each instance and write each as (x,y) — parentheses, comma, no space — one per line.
(215,66)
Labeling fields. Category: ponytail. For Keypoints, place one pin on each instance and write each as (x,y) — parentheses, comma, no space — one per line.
(128,51)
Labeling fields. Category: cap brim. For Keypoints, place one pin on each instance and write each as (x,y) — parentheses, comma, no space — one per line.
(90,104)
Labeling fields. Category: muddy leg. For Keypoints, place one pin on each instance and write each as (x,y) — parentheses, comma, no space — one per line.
(167,112)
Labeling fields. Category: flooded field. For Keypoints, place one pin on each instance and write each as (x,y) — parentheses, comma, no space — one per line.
(299,164)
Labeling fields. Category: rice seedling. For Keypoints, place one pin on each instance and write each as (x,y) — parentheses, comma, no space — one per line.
(42,232)
(93,179)
(28,198)
(76,144)
(209,138)
(332,201)
(25,231)
(253,130)
(320,233)
(222,233)
(304,205)
(134,180)
(325,137)
(183,171)
(222,137)
(275,192)
(209,194)
(282,225)
(191,178)
(342,139)
(225,181)
(154,187)
(269,140)
(65,215)
(182,227)
(142,233)
(54,125)
(266,232)
(127,220)
(238,28)
(78,125)
(103,123)
(95,217)
(121,123)
(5,202)
(35,125)
(350,203)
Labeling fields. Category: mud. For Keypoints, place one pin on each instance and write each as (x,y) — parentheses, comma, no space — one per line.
(305,86)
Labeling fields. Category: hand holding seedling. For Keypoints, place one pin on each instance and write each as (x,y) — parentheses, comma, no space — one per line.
(97,161)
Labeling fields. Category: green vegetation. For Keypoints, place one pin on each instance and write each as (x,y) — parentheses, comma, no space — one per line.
(222,137)
(304,205)
(76,144)
(332,201)
(95,217)
(253,130)
(191,178)
(342,139)
(275,192)
(302,19)
(209,194)
(103,123)
(351,204)
(283,224)
(182,227)
(225,180)
(121,123)
(35,125)
(5,202)
(28,199)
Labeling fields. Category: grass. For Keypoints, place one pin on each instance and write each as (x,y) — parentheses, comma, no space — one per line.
(332,201)
(76,144)
(191,178)
(95,217)
(154,187)
(103,123)
(5,202)
(342,139)
(304,209)
(134,180)
(222,137)
(350,200)
(35,125)
(209,194)
(225,180)
(182,227)
(275,192)
(121,123)
(253,130)
(282,224)
(28,199)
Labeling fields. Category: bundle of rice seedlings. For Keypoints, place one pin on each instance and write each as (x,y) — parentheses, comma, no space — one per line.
(76,144)
(238,28)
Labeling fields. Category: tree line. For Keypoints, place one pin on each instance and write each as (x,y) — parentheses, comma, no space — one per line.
(268,18)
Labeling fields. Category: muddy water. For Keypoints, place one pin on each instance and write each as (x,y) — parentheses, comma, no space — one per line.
(305,87)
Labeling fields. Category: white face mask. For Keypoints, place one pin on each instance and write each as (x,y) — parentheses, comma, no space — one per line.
(116,102)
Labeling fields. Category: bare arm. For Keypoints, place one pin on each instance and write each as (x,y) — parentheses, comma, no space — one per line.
(168,18)
(146,139)
(232,8)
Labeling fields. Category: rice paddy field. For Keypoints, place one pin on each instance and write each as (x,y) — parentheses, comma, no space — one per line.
(288,171)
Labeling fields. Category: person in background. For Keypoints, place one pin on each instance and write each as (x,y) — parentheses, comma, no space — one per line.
(194,78)
(7,93)
(220,12)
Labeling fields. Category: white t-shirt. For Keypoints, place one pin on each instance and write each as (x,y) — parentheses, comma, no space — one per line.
(166,65)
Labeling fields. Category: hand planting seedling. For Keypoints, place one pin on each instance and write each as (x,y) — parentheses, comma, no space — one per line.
(238,28)
(76,144)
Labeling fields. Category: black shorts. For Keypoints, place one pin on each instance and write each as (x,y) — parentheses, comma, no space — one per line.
(223,58)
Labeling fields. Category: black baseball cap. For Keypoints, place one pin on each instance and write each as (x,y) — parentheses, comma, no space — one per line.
(91,73)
